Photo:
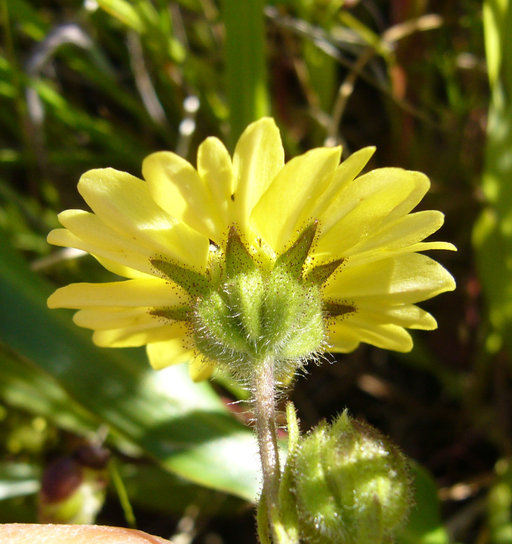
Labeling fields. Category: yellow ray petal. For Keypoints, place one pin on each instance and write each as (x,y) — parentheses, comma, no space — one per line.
(397,233)
(286,207)
(404,315)
(258,158)
(402,235)
(405,231)
(129,293)
(177,188)
(109,246)
(343,176)
(341,339)
(408,278)
(124,203)
(369,257)
(364,205)
(393,179)
(130,337)
(116,318)
(121,270)
(169,352)
(200,369)
(215,168)
(385,336)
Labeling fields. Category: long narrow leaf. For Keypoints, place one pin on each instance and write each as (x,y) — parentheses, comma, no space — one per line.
(245,63)
(182,425)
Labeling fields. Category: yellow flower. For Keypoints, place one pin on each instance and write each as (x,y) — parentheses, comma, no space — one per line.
(169,234)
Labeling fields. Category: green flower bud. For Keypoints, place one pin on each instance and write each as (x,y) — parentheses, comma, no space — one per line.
(352,485)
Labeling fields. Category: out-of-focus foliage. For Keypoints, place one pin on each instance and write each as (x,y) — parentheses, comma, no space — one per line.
(493,242)
(493,232)
(95,83)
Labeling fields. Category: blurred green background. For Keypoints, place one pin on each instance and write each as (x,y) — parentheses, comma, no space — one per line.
(96,83)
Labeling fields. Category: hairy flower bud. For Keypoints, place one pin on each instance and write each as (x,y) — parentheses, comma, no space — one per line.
(352,485)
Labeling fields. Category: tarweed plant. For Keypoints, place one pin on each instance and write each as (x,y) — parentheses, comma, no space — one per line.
(259,266)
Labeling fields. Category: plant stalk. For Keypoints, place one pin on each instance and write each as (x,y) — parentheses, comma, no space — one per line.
(264,403)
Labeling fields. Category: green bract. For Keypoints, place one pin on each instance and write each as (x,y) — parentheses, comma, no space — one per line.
(352,485)
(248,312)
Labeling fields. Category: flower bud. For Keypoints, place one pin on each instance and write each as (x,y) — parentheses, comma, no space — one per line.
(352,485)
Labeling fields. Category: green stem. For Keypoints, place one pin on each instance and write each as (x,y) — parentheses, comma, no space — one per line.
(264,403)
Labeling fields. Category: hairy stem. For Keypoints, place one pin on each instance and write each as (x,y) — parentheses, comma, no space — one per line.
(264,402)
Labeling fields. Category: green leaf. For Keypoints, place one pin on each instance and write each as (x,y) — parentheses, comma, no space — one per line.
(183,425)
(25,386)
(157,491)
(124,11)
(18,480)
(245,63)
(424,525)
(19,483)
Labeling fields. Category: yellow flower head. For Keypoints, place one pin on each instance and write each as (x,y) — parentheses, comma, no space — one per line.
(207,253)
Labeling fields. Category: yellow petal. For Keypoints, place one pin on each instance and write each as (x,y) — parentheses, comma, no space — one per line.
(258,158)
(129,293)
(120,269)
(399,236)
(147,333)
(109,246)
(343,176)
(379,324)
(177,188)
(115,318)
(341,339)
(200,369)
(215,168)
(286,207)
(177,351)
(124,204)
(169,352)
(393,180)
(385,336)
(369,257)
(408,278)
(404,315)
(363,205)
(405,231)
(395,233)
